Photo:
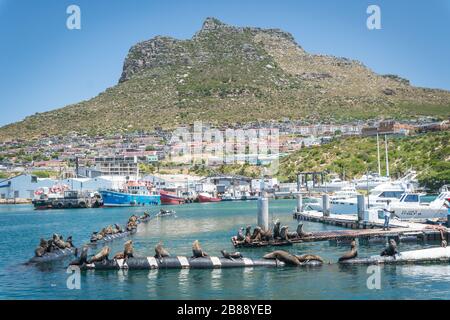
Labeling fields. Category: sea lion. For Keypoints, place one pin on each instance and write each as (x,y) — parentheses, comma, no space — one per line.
(266,235)
(300,231)
(353,253)
(41,249)
(160,252)
(94,236)
(197,250)
(69,242)
(256,236)
(276,229)
(83,257)
(284,233)
(232,256)
(283,256)
(128,249)
(240,235)
(390,250)
(101,256)
(309,257)
(248,231)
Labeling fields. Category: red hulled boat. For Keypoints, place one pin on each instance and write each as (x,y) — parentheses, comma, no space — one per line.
(170,198)
(205,197)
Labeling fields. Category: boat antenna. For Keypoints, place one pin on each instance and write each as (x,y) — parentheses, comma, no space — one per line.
(387,156)
(378,152)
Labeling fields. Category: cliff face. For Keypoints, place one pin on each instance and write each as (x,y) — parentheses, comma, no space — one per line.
(228,74)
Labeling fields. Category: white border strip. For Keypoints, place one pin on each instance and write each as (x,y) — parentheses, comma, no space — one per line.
(247,261)
(216,261)
(152,262)
(184,262)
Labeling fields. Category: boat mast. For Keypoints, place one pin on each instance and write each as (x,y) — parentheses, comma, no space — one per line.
(378,152)
(387,156)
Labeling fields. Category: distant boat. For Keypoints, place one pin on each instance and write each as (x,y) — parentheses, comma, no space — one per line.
(206,197)
(135,193)
(169,198)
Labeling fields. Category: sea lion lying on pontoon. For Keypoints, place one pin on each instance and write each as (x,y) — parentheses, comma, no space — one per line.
(390,250)
(286,235)
(240,235)
(144,216)
(197,251)
(160,252)
(41,249)
(283,256)
(353,253)
(231,255)
(101,256)
(256,236)
(276,229)
(83,257)
(309,257)
(127,251)
(301,233)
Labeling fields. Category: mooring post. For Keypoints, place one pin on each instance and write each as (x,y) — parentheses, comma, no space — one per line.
(361,207)
(263,213)
(326,205)
(299,203)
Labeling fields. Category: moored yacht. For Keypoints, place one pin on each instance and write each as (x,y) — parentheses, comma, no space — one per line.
(378,197)
(411,207)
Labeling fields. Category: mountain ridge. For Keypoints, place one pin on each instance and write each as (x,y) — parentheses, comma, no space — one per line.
(227,75)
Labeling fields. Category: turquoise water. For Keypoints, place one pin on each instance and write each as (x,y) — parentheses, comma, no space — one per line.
(213,224)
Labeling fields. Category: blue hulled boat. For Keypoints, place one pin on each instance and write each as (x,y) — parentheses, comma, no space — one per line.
(135,193)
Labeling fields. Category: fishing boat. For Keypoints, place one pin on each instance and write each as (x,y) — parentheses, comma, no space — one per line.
(411,206)
(170,198)
(206,197)
(133,193)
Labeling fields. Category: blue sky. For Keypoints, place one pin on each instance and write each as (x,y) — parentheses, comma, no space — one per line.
(44,66)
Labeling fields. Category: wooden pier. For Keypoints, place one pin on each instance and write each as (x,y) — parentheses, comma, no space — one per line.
(365,231)
(370,230)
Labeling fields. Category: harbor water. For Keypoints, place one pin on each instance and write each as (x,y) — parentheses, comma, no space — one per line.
(212,224)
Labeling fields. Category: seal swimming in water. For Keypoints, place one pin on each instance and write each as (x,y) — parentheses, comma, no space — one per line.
(231,256)
(160,252)
(197,250)
(101,256)
(283,256)
(353,253)
(390,250)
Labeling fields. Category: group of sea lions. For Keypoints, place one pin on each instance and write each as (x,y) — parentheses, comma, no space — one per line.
(115,229)
(390,251)
(109,230)
(280,233)
(55,243)
(128,252)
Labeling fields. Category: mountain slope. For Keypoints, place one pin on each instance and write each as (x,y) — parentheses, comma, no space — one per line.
(227,74)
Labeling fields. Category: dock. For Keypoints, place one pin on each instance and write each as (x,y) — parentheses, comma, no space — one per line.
(369,230)
(365,231)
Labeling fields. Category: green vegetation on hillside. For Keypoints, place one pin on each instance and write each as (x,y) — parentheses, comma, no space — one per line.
(428,154)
